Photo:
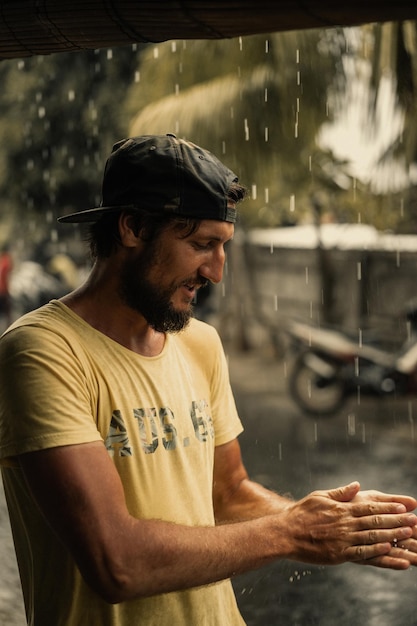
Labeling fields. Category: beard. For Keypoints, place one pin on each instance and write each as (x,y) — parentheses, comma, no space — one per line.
(150,300)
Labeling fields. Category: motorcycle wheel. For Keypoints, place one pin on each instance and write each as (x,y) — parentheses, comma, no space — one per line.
(314,394)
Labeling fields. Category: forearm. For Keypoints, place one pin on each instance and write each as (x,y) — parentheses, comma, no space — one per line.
(156,557)
(250,501)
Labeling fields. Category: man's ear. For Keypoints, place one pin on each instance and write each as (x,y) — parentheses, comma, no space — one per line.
(129,233)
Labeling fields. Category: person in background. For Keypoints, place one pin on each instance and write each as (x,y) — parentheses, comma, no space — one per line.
(128,497)
(6,267)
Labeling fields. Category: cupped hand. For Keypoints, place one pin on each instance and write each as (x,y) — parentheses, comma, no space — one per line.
(344,524)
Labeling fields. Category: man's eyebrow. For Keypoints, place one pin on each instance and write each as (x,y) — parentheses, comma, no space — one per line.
(216,238)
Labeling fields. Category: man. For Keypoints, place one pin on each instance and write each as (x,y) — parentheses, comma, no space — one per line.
(127,495)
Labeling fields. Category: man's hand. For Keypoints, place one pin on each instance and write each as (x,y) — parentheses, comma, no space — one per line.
(338,525)
(403,553)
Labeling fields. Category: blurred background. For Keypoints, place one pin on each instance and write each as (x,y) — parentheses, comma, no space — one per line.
(318,124)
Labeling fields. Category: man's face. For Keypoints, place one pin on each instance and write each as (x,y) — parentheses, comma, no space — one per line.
(162,279)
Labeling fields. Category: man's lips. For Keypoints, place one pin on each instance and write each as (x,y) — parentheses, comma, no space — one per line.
(192,288)
(195,285)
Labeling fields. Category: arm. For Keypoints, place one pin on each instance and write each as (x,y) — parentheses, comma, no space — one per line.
(81,496)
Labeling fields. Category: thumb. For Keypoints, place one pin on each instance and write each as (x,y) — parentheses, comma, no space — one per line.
(346,493)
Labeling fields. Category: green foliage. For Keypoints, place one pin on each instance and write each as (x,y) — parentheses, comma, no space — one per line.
(59,116)
(257,102)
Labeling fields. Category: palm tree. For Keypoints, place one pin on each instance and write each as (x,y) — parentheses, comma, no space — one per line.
(392,56)
(256,101)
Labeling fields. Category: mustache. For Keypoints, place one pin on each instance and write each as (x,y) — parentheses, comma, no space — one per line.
(198,282)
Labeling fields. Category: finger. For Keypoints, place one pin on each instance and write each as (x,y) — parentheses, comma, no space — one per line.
(365,553)
(380,555)
(409,502)
(345,493)
(382,535)
(408,520)
(406,544)
(361,509)
(406,549)
(387,561)
(402,555)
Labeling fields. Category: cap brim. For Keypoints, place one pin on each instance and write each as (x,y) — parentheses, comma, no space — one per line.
(91,215)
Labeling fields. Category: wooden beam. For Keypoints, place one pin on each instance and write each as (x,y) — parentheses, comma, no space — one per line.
(37,27)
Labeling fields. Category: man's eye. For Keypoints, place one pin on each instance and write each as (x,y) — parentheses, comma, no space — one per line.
(201,246)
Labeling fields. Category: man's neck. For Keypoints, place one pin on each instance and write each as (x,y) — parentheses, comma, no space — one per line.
(98,303)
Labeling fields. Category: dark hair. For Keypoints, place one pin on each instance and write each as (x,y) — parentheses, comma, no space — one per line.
(103,236)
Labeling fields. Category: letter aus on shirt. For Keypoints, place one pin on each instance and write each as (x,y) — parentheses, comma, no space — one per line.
(157,427)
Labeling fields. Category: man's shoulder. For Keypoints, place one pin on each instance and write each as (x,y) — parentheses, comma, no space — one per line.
(49,318)
(197,329)
(199,337)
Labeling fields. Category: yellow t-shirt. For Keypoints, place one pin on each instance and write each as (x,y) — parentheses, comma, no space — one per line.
(62,383)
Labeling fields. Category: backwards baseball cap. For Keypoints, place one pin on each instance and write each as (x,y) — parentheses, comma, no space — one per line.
(165,174)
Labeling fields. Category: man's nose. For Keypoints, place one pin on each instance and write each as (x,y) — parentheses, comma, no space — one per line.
(212,269)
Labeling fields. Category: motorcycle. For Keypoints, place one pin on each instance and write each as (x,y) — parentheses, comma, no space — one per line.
(330,366)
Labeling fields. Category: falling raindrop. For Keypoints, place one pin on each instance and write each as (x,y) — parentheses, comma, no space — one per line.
(411,419)
(246,125)
(351,424)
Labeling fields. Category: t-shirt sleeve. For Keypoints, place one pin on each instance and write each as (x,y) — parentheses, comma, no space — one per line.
(227,424)
(46,399)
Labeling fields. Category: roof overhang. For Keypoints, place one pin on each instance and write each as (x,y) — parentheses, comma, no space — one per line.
(38,27)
